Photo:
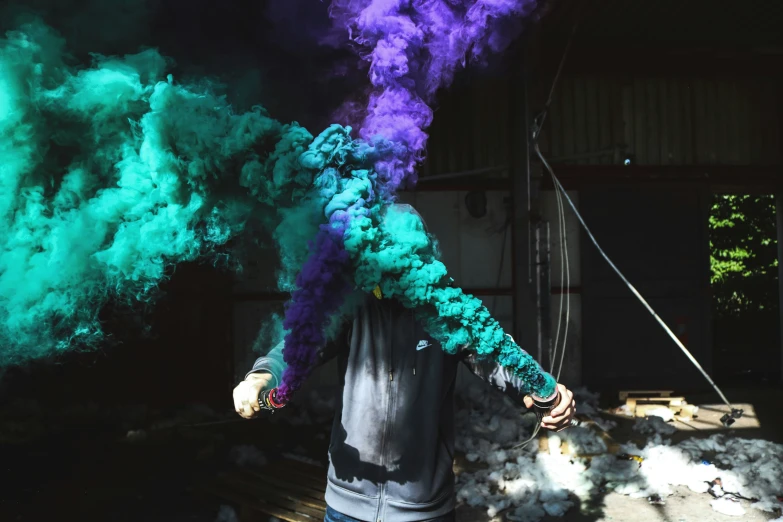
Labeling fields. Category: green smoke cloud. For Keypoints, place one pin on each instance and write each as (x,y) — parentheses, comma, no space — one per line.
(111,174)
(391,248)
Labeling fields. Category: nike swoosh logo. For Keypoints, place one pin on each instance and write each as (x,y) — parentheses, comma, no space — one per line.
(422,345)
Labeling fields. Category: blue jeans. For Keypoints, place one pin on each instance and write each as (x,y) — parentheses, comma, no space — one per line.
(334,516)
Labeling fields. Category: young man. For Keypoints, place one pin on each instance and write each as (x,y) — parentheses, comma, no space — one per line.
(392,446)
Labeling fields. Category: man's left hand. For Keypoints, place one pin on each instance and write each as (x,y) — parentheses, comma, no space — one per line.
(560,416)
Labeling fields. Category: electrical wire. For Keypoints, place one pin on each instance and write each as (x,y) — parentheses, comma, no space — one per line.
(554,344)
(562,232)
(680,345)
(565,285)
(565,269)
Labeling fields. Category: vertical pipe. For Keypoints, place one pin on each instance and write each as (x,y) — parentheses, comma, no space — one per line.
(779,219)
(537,286)
(525,314)
(543,288)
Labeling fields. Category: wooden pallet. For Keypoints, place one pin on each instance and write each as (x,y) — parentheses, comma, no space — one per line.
(289,490)
(650,397)
(624,395)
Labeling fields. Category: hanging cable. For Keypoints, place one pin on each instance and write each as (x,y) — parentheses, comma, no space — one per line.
(729,418)
(553,346)
(561,193)
(559,188)
(565,269)
(565,285)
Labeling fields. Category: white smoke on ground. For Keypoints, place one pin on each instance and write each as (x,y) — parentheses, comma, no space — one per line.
(528,485)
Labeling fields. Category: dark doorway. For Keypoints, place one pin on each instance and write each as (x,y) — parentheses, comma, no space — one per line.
(658,237)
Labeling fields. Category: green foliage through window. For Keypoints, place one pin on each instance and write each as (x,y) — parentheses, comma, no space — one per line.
(743,255)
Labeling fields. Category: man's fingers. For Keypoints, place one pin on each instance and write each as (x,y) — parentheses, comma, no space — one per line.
(566,400)
(246,394)
(244,406)
(560,418)
(556,426)
(237,400)
(528,400)
(561,408)
(568,408)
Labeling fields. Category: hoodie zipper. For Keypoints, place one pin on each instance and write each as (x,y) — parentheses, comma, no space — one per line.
(382,492)
(413,339)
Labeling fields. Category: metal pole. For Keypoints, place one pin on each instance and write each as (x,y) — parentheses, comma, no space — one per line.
(543,292)
(525,313)
(779,216)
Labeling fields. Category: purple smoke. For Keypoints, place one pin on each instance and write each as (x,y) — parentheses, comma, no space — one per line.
(413,48)
(321,289)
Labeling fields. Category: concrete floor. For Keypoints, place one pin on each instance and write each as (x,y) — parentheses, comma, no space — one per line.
(75,478)
(761,419)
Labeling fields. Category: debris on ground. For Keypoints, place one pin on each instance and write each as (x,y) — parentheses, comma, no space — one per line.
(728,506)
(653,425)
(576,465)
(658,403)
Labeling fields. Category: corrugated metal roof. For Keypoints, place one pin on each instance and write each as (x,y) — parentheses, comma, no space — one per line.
(597,119)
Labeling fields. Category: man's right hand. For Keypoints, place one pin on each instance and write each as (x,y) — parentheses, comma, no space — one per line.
(246,394)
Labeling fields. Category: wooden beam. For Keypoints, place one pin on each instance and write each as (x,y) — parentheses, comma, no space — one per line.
(721,178)
(461,185)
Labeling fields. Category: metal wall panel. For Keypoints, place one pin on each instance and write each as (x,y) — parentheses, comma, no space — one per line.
(471,128)
(665,121)
(596,119)
(470,247)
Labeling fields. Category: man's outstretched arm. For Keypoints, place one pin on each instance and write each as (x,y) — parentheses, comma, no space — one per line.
(495,375)
(272,364)
(267,372)
(502,379)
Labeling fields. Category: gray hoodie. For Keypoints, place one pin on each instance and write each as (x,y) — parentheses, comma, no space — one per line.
(392,447)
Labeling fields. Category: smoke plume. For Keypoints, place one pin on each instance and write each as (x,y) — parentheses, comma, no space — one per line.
(114,172)
(413,48)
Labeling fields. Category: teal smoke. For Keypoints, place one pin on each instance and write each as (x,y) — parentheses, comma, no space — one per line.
(111,174)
